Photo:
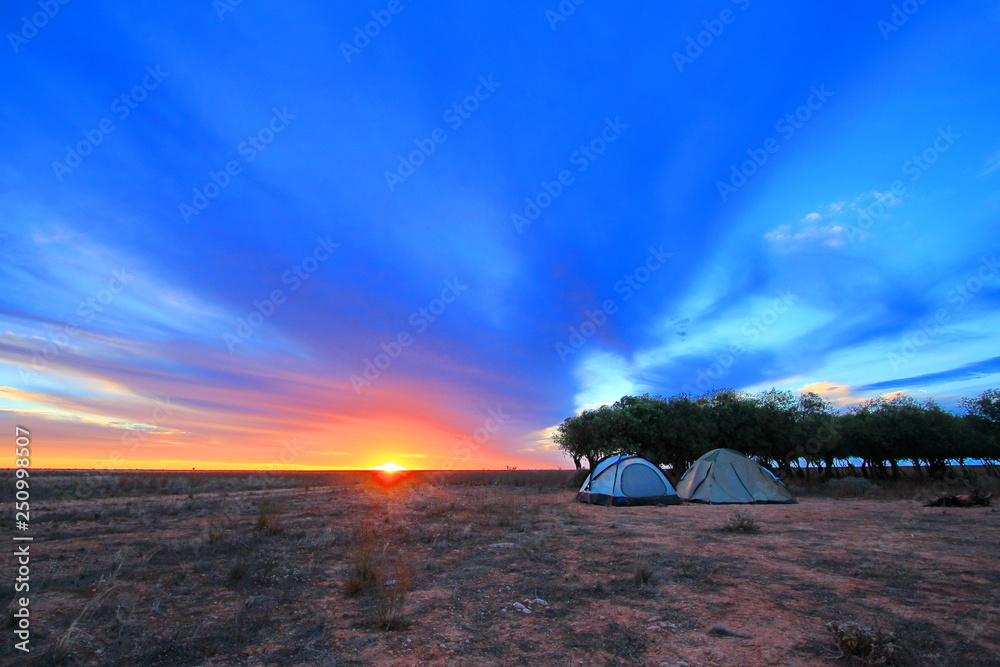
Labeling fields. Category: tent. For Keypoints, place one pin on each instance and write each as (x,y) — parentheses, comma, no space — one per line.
(627,479)
(726,476)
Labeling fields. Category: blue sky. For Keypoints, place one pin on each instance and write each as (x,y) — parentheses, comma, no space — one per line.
(244,236)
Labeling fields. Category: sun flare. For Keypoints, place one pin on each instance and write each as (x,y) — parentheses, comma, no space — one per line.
(389,467)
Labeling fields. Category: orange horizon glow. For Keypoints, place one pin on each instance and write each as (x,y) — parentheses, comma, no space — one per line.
(390,467)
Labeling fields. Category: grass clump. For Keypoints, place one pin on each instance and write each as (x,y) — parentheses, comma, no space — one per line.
(266,518)
(220,528)
(382,577)
(868,645)
(367,567)
(741,521)
(390,595)
(642,575)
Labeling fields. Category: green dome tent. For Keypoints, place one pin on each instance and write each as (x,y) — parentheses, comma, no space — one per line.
(726,476)
(627,479)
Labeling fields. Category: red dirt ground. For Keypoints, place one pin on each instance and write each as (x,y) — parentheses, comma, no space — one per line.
(260,578)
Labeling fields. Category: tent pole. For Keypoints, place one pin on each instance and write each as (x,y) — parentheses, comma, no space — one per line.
(615,485)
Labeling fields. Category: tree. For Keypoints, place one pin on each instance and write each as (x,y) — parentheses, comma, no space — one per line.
(590,435)
(817,433)
(983,417)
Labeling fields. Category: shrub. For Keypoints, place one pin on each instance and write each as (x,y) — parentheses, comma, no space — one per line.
(869,645)
(643,574)
(239,572)
(266,519)
(366,562)
(219,528)
(390,594)
(741,521)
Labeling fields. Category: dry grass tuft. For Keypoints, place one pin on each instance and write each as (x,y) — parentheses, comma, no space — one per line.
(868,645)
(642,574)
(380,575)
(390,594)
(266,518)
(367,556)
(741,521)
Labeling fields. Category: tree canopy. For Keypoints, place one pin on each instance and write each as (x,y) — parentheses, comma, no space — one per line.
(785,432)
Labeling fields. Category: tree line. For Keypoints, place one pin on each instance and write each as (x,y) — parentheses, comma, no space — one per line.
(791,434)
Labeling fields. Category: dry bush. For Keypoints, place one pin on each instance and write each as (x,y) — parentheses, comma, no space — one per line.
(379,574)
(75,635)
(509,514)
(219,528)
(623,642)
(741,521)
(868,645)
(390,594)
(267,519)
(367,566)
(642,574)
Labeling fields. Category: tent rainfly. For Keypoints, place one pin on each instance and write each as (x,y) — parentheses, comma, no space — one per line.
(627,479)
(726,476)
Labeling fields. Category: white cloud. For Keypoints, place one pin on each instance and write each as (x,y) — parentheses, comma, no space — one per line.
(604,377)
(815,229)
(831,226)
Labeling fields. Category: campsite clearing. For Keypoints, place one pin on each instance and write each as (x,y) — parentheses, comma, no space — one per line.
(499,574)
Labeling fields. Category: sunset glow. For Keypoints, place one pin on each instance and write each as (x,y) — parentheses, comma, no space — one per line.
(272,239)
(389,467)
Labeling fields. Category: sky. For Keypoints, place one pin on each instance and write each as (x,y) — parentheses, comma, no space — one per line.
(302,235)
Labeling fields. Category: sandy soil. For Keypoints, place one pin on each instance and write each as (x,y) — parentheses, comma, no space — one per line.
(261,578)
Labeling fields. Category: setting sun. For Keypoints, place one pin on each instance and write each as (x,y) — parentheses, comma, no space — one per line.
(389,467)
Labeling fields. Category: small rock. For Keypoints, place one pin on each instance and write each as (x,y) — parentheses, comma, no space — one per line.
(502,545)
(600,618)
(723,631)
(521,607)
(539,601)
(654,619)
(653,628)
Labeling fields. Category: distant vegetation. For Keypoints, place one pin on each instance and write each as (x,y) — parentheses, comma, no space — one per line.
(784,432)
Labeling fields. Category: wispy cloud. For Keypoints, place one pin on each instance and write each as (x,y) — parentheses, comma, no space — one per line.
(815,229)
(833,225)
(992,164)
